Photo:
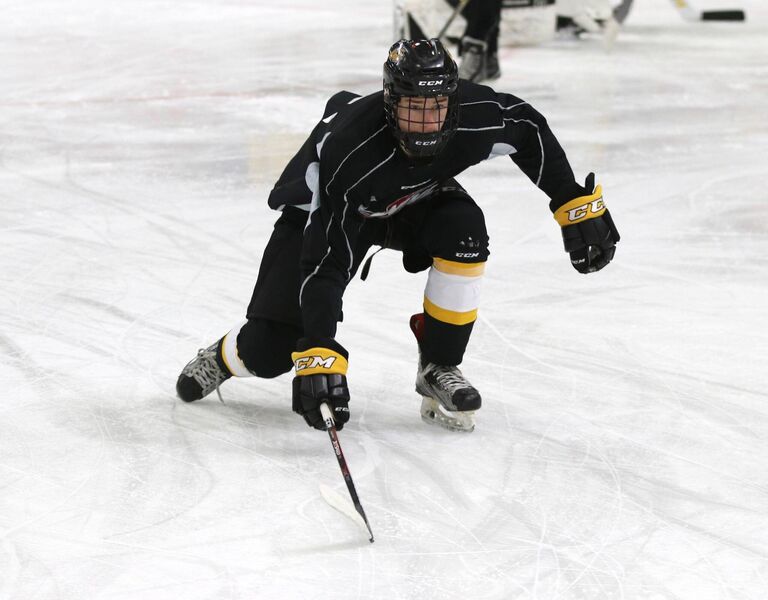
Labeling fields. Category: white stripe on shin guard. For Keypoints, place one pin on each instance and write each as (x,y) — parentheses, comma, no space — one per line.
(452,294)
(229,353)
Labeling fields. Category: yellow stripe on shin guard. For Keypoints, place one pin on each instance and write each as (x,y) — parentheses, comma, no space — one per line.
(453,291)
(581,208)
(319,361)
(449,316)
(456,268)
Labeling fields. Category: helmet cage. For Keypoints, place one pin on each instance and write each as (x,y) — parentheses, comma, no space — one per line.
(420,69)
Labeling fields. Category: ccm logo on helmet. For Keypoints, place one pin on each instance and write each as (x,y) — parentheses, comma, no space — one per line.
(435,82)
(580,212)
(425,142)
(312,362)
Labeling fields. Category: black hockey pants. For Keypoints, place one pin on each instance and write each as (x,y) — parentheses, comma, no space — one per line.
(435,227)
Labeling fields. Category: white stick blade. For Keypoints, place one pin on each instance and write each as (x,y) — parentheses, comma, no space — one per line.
(343,505)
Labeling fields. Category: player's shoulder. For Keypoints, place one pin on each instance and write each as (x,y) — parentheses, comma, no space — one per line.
(353,120)
(485,110)
(346,104)
(478,97)
(339,101)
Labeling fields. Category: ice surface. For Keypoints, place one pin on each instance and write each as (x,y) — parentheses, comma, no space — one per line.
(622,449)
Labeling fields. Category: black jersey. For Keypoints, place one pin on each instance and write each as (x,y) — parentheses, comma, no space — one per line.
(350,169)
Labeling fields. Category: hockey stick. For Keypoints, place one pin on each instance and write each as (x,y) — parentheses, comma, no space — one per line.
(613,24)
(331,428)
(621,11)
(692,14)
(459,7)
(405,26)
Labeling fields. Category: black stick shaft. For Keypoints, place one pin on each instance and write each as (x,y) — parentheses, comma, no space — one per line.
(334,436)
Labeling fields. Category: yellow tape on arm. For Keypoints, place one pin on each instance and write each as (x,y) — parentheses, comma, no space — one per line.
(581,208)
(319,361)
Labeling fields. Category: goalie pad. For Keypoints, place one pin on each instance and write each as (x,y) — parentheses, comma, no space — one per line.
(588,15)
(527,22)
(523,22)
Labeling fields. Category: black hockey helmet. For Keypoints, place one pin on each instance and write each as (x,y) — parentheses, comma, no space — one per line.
(421,69)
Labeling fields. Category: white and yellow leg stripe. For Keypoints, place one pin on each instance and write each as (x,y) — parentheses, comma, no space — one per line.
(453,291)
(229,353)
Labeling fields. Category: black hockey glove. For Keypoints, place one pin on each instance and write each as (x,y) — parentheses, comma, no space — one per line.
(589,234)
(321,376)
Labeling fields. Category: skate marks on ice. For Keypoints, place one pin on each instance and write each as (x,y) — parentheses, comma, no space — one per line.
(647,483)
(653,460)
(580,508)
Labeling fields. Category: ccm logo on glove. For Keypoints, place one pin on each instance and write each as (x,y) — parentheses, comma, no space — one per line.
(581,209)
(319,361)
(321,379)
(311,362)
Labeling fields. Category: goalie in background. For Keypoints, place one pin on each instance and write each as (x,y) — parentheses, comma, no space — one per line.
(380,170)
(479,45)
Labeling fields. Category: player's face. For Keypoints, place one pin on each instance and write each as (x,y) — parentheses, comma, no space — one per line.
(421,115)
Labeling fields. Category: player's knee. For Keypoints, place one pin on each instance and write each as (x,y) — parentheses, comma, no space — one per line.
(265,347)
(460,232)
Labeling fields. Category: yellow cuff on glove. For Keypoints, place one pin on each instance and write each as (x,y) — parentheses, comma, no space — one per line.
(581,208)
(319,361)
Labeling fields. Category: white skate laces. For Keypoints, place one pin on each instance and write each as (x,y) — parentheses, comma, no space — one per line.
(206,371)
(449,378)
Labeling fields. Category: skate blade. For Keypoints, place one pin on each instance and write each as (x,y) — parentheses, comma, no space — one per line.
(434,414)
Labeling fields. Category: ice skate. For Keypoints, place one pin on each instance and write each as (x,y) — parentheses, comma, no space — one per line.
(474,59)
(203,374)
(448,399)
(492,69)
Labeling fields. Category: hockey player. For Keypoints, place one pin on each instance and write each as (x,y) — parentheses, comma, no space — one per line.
(379,170)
